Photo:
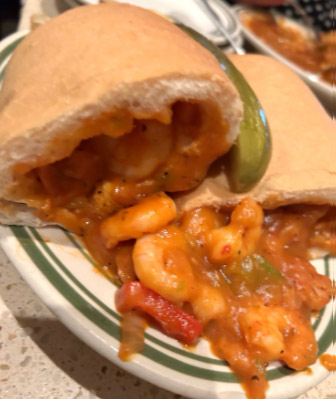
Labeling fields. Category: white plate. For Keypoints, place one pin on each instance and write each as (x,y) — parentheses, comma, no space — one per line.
(190,13)
(324,91)
(60,271)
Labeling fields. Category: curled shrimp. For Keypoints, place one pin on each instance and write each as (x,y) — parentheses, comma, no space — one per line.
(278,333)
(163,266)
(148,216)
(161,263)
(240,237)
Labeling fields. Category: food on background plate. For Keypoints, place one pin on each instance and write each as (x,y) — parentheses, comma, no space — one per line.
(105,138)
(295,44)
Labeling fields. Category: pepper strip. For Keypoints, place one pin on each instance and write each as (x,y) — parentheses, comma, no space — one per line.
(174,321)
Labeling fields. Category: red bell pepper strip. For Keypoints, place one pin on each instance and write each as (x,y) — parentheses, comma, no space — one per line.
(174,321)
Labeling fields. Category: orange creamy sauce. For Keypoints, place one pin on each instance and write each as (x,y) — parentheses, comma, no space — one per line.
(292,44)
(242,274)
(268,293)
(328,361)
(104,174)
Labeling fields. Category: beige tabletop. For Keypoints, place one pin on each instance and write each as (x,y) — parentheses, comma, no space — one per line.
(40,358)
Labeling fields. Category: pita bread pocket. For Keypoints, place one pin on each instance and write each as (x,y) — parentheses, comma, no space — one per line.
(66,85)
(303,164)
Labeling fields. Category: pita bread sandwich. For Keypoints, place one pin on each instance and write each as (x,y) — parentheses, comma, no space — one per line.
(303,164)
(112,135)
(153,96)
(286,219)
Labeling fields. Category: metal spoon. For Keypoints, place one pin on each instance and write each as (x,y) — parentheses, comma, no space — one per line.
(216,20)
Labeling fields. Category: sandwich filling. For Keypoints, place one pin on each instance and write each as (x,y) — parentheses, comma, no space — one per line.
(239,277)
(113,162)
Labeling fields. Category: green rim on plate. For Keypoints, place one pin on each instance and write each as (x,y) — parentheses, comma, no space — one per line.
(111,326)
(105,318)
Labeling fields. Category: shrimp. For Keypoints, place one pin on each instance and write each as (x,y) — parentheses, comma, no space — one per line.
(208,303)
(262,329)
(161,263)
(278,333)
(240,237)
(148,216)
(200,220)
(224,243)
(300,343)
(138,154)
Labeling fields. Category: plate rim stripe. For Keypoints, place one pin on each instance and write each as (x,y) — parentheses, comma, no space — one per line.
(326,340)
(32,251)
(168,346)
(276,373)
(6,52)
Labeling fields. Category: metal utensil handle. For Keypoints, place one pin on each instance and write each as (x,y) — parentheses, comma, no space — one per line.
(215,19)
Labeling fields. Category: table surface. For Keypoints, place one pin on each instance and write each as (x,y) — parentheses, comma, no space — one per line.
(42,359)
